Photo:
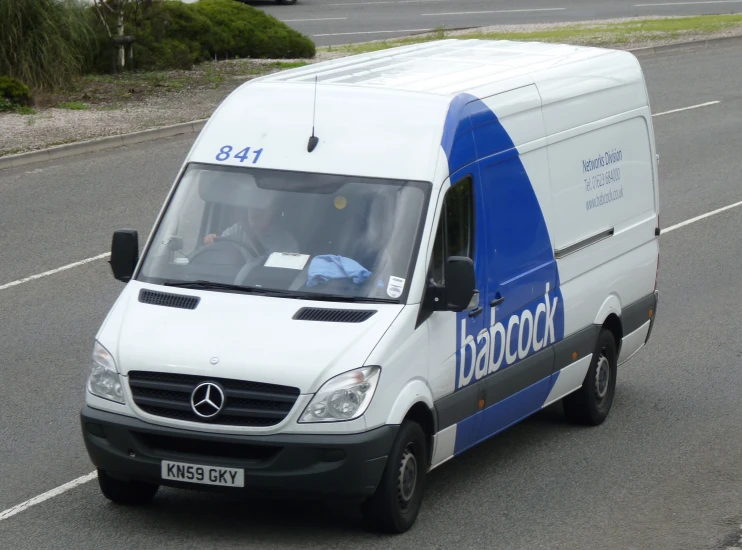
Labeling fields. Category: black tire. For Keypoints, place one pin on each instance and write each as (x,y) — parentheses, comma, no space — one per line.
(590,405)
(285,2)
(132,493)
(397,501)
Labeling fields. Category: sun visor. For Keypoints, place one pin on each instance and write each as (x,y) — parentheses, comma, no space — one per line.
(232,188)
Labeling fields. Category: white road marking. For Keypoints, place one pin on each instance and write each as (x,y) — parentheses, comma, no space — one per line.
(688,108)
(701,217)
(53,271)
(373,32)
(320,19)
(497,11)
(384,2)
(10,512)
(689,3)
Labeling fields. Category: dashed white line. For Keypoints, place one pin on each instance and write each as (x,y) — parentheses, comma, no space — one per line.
(699,2)
(310,20)
(10,512)
(346,4)
(701,217)
(374,32)
(496,11)
(708,104)
(54,271)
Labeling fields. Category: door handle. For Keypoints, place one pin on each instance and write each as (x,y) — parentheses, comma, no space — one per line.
(497,301)
(475,312)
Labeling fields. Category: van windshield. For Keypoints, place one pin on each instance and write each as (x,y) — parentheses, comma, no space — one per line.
(289,233)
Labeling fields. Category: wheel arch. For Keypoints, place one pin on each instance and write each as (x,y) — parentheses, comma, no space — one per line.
(609,317)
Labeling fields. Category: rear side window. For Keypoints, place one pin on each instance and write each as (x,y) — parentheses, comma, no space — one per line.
(455,229)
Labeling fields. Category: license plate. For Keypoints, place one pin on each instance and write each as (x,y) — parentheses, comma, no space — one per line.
(206,475)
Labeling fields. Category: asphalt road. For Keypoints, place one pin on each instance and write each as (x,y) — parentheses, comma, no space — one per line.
(330,22)
(662,473)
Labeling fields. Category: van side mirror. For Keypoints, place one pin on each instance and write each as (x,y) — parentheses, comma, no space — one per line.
(460,283)
(124,254)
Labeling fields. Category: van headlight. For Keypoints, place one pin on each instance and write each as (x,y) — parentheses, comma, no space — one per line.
(345,397)
(104,380)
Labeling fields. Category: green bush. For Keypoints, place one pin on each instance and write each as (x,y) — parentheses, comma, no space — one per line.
(14,92)
(173,35)
(6,105)
(44,43)
(241,30)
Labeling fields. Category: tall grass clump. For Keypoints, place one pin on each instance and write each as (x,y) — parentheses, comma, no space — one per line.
(45,43)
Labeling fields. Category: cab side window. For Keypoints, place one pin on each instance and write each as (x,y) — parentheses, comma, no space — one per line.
(455,235)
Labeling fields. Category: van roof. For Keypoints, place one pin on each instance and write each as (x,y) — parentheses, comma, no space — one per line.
(388,114)
(454,66)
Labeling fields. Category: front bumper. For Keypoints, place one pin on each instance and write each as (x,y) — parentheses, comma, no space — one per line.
(333,465)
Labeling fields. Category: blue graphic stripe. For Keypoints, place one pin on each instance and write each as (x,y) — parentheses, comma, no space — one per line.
(500,416)
(514,259)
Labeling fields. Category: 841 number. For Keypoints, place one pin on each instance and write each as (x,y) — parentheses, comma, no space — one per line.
(225,153)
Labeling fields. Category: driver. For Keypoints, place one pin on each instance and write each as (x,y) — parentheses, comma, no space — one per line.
(260,220)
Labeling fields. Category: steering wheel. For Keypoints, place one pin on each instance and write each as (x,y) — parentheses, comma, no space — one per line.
(249,248)
(247,252)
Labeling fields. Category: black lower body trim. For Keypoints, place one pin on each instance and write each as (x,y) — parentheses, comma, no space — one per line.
(497,387)
(635,315)
(347,465)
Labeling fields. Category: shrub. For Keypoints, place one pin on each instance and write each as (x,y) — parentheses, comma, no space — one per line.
(241,30)
(14,92)
(171,34)
(6,105)
(44,43)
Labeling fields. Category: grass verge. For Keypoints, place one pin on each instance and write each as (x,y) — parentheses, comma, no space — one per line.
(73,106)
(611,34)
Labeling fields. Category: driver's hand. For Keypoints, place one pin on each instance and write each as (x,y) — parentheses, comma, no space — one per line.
(208,239)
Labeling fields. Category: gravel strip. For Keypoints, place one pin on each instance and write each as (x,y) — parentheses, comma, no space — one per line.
(54,126)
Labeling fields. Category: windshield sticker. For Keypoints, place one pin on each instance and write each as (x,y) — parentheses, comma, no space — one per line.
(395,287)
(287,260)
(340,203)
(244,155)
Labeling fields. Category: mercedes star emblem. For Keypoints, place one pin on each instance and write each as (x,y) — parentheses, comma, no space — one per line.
(207,400)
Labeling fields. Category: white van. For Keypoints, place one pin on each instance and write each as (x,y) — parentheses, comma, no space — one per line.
(369,265)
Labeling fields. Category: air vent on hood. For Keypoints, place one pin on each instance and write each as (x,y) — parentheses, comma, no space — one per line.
(333,315)
(168,300)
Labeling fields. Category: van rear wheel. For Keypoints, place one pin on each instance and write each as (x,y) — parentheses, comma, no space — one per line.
(591,404)
(131,492)
(397,501)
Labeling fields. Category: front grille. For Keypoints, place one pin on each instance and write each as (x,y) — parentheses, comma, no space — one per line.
(246,403)
(179,301)
(162,445)
(333,315)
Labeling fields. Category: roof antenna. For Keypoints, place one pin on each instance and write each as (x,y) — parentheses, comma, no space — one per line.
(314,140)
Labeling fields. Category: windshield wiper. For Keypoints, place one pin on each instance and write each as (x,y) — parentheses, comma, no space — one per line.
(349,299)
(275,292)
(223,286)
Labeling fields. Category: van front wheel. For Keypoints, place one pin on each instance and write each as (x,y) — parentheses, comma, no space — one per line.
(591,404)
(132,492)
(396,503)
